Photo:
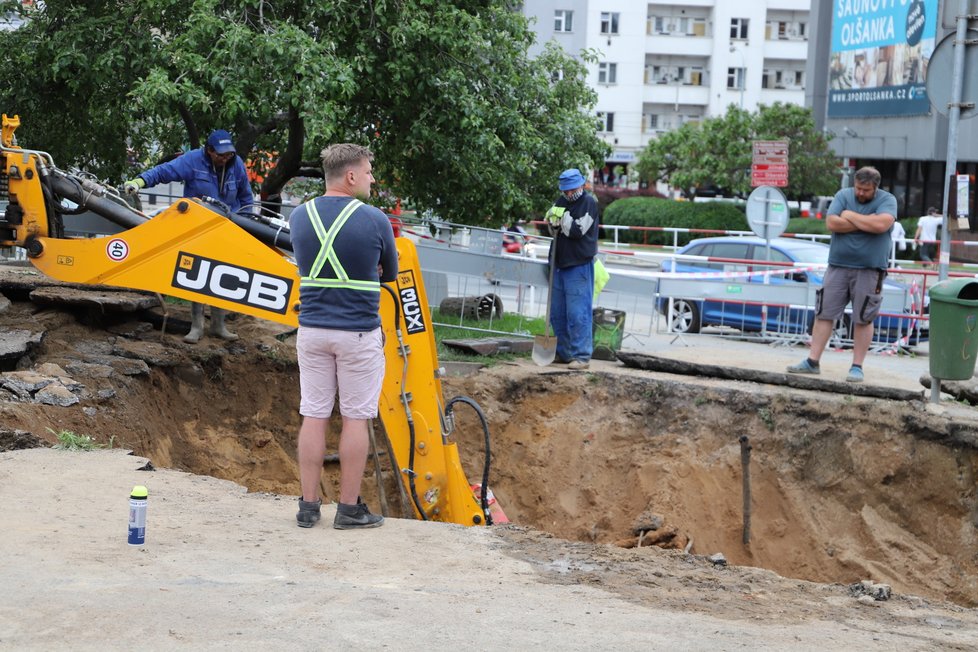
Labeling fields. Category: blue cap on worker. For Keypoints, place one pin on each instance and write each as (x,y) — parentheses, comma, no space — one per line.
(571,179)
(220,141)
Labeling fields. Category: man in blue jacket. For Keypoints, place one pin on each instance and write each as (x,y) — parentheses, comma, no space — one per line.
(573,220)
(214,170)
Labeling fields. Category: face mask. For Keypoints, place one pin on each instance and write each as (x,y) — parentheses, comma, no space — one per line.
(576,195)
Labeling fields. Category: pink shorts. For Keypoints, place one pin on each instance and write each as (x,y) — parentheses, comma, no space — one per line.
(346,361)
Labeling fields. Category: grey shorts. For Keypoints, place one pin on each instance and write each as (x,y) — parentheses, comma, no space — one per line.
(842,285)
(349,363)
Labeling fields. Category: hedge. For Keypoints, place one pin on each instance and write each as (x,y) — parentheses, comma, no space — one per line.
(646,211)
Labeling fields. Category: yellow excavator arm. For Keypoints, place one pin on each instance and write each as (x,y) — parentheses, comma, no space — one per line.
(194,251)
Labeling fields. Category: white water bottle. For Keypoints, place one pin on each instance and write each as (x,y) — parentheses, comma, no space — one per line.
(137,515)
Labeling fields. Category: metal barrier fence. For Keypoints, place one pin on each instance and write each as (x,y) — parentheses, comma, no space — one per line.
(466,261)
(470,261)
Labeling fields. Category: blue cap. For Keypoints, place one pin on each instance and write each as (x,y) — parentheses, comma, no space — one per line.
(571,179)
(220,141)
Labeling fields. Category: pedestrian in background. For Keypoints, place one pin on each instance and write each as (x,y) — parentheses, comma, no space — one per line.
(344,250)
(860,219)
(573,222)
(926,235)
(214,170)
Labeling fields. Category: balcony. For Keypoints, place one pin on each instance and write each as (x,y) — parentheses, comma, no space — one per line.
(791,95)
(682,45)
(672,94)
(792,50)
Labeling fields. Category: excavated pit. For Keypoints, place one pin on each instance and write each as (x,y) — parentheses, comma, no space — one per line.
(844,488)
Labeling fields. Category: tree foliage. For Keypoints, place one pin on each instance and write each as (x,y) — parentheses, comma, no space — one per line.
(460,119)
(718,152)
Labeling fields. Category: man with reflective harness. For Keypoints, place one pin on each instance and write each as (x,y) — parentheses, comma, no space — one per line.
(344,250)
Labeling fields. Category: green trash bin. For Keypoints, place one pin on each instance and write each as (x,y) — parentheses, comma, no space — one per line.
(953,329)
(608,327)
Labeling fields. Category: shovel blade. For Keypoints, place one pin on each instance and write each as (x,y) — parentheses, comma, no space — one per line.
(544,350)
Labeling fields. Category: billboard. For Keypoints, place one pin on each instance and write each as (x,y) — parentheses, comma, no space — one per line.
(880,51)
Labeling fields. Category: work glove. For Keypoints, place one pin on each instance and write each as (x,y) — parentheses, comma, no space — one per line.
(132,186)
(554,215)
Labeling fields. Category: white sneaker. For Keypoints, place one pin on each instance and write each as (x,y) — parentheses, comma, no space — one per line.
(578,364)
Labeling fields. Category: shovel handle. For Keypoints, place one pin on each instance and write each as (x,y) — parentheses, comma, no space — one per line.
(550,284)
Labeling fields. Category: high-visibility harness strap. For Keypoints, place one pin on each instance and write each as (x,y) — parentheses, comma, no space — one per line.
(326,252)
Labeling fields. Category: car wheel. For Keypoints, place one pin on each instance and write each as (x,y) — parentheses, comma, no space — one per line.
(685,316)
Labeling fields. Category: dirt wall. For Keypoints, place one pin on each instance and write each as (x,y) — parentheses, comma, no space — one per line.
(843,488)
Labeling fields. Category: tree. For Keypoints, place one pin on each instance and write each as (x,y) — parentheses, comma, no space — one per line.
(717,152)
(813,169)
(460,119)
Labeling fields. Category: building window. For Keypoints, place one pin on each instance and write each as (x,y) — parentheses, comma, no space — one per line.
(607,73)
(609,22)
(735,78)
(563,20)
(651,121)
(738,28)
(606,121)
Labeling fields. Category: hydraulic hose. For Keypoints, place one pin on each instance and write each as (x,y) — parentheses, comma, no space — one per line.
(69,187)
(92,196)
(404,401)
(257,225)
(484,492)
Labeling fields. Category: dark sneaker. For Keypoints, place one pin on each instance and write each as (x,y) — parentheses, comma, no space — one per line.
(855,375)
(804,367)
(308,514)
(351,517)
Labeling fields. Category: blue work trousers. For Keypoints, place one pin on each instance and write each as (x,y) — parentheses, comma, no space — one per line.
(570,311)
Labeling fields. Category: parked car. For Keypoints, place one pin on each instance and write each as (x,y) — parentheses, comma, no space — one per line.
(728,301)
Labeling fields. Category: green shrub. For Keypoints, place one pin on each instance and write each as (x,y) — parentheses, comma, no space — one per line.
(651,212)
(806,225)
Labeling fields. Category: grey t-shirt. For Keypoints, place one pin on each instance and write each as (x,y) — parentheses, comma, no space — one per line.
(859,249)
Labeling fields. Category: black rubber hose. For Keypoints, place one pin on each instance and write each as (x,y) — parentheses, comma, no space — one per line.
(66,186)
(270,235)
(56,227)
(483,498)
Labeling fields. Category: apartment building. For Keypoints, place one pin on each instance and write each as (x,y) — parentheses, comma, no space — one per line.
(662,64)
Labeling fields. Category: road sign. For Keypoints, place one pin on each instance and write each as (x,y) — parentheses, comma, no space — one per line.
(939,70)
(771,160)
(771,147)
(767,212)
(770,168)
(764,178)
(769,164)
